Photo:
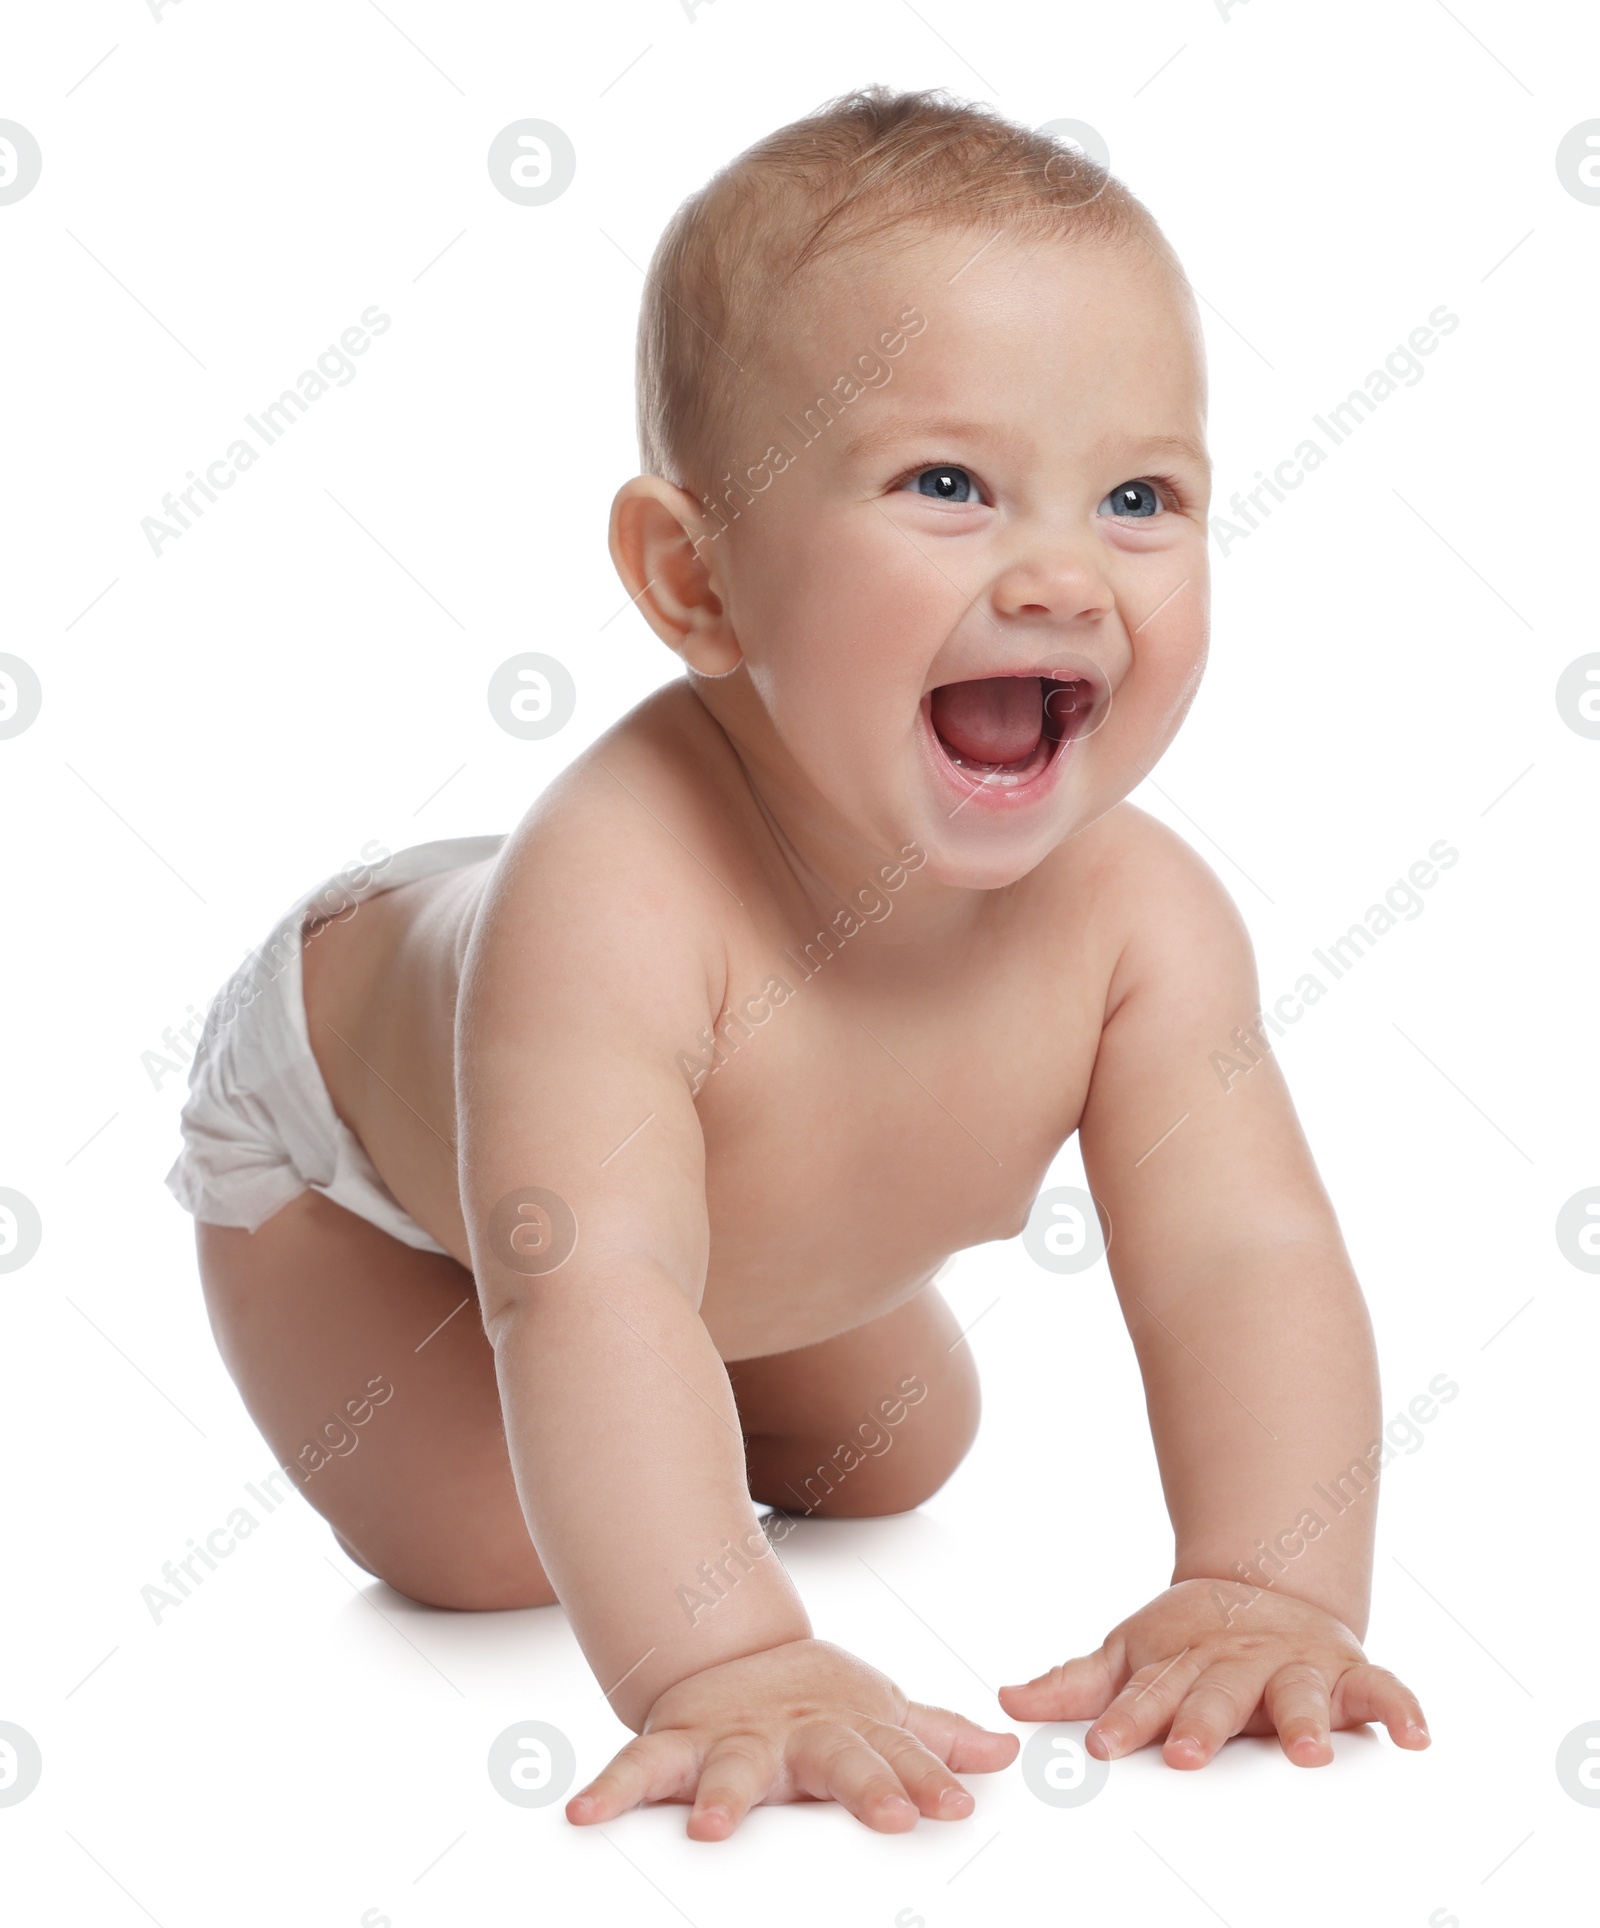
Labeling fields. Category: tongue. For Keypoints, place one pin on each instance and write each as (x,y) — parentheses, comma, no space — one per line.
(996,719)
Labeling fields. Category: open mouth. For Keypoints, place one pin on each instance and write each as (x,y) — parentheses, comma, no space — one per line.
(1004,732)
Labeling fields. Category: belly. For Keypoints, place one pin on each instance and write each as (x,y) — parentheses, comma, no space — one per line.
(837,1185)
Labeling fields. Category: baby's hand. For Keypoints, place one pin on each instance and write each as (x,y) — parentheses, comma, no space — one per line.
(1179,1668)
(804,1721)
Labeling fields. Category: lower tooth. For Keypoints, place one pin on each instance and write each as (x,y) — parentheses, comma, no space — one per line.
(988,772)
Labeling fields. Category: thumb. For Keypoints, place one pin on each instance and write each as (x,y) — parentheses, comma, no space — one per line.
(1079,1689)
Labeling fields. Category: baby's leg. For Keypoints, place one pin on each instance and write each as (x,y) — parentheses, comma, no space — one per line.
(817,1437)
(309,1308)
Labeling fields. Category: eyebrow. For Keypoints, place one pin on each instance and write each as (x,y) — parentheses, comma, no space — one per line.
(886,434)
(931,429)
(1166,444)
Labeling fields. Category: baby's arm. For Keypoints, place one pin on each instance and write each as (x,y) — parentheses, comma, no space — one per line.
(1257,1357)
(579,992)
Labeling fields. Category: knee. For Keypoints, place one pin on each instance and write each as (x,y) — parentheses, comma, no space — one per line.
(882,1465)
(350,1553)
(473,1585)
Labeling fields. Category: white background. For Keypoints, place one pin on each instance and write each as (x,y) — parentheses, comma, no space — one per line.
(306,669)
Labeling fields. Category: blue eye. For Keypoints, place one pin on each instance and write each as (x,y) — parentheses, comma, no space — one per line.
(1133,501)
(944,484)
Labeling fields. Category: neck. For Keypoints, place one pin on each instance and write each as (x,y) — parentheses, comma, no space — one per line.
(835,863)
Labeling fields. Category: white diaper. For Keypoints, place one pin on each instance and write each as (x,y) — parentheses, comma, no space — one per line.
(258,1125)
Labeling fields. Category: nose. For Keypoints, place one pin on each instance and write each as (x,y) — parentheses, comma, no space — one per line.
(1056,579)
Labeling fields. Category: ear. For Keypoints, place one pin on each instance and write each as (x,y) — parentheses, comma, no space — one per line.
(663,548)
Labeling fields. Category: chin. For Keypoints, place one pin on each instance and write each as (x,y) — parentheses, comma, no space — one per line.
(1004,861)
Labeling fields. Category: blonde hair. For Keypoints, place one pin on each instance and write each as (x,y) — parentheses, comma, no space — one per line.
(854,171)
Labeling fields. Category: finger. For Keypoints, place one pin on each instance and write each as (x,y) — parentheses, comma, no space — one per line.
(833,1763)
(1297,1700)
(961,1744)
(1077,1690)
(1372,1693)
(1145,1706)
(737,1773)
(652,1767)
(932,1787)
(1214,1709)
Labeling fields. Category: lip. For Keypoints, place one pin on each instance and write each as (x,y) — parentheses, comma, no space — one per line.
(992,796)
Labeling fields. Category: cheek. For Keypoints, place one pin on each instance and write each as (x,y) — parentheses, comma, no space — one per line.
(1169,647)
(1169,658)
(834,605)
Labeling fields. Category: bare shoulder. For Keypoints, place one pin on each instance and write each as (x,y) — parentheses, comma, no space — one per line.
(650,794)
(1173,918)
(626,869)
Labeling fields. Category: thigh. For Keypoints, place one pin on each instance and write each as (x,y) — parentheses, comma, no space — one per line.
(308,1311)
(874,1420)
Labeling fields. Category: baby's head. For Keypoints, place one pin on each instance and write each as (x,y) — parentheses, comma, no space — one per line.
(922,419)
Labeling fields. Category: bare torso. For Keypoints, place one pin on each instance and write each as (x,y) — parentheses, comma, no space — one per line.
(902,1104)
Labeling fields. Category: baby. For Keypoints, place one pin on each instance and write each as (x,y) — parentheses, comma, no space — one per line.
(625,1148)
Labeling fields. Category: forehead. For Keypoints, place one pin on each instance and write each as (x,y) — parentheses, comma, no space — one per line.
(1017,330)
